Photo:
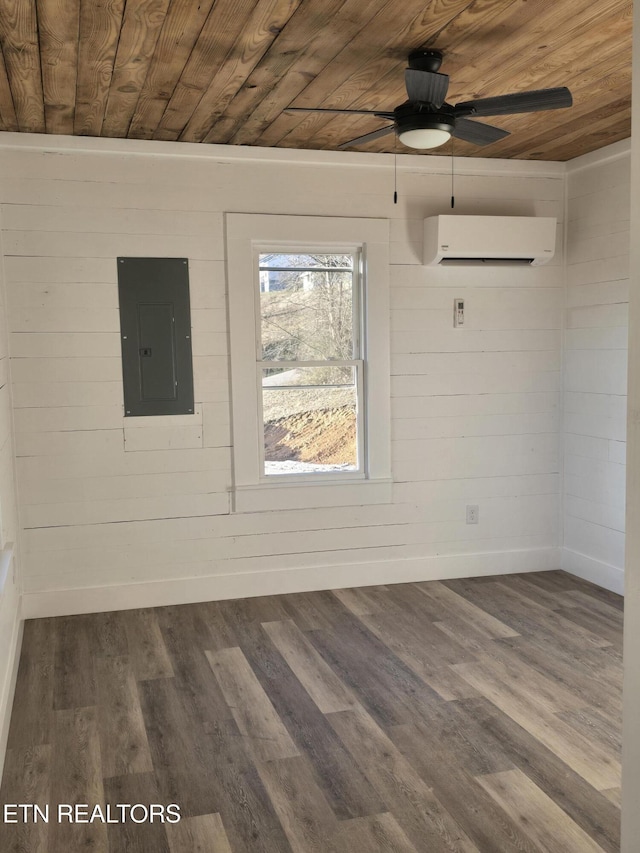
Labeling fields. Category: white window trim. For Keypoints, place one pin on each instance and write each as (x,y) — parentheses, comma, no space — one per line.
(244,231)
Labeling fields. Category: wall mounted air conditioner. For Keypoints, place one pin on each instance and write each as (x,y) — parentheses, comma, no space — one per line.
(489,240)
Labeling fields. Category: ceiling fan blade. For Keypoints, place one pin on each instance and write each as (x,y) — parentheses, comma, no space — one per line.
(426,86)
(368,137)
(520,102)
(478,133)
(379,113)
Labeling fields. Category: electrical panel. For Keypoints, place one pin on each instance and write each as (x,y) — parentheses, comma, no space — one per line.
(155,326)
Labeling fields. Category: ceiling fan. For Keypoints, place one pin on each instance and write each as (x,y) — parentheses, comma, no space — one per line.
(427,121)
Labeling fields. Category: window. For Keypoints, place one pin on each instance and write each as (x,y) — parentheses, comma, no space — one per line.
(310,369)
(308,306)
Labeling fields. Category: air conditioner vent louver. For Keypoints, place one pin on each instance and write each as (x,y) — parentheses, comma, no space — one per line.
(489,262)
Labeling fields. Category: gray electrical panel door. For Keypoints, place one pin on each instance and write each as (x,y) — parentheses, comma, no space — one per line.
(155,326)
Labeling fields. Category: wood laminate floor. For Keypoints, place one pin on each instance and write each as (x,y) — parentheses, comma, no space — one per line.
(464,715)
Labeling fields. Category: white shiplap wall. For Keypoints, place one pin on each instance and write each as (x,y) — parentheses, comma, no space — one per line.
(10,623)
(595,365)
(123,513)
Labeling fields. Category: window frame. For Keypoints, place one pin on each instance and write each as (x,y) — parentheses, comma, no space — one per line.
(246,236)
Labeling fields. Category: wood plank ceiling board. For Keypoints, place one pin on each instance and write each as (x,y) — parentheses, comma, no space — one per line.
(226,22)
(181,27)
(286,70)
(225,71)
(141,27)
(8,119)
(100,25)
(266,23)
(58,26)
(19,41)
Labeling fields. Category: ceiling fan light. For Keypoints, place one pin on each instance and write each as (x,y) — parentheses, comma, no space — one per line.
(424,137)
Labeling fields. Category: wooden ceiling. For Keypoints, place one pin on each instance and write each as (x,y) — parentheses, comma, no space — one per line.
(223,71)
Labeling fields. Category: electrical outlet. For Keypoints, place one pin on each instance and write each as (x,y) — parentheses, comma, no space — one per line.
(473,513)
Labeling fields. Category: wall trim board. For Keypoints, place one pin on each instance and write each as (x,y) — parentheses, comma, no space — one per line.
(53,144)
(66,602)
(602,574)
(9,687)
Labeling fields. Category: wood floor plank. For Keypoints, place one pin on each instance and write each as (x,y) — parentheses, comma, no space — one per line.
(534,592)
(186,637)
(208,769)
(606,626)
(359,601)
(562,581)
(451,734)
(464,715)
(420,814)
(583,675)
(126,836)
(181,770)
(592,763)
(525,617)
(74,682)
(615,795)
(307,819)
(545,822)
(123,738)
(314,611)
(525,681)
(311,670)
(493,628)
(379,833)
(108,635)
(32,720)
(240,612)
(424,649)
(340,778)
(246,809)
(26,779)
(416,639)
(586,806)
(386,686)
(596,727)
(453,784)
(465,635)
(593,603)
(220,633)
(199,834)
(147,651)
(253,712)
(76,777)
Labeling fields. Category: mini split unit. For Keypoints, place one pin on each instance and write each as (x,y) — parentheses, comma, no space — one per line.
(489,240)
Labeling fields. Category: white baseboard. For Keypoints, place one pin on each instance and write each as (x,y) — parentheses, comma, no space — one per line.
(8,689)
(66,602)
(603,574)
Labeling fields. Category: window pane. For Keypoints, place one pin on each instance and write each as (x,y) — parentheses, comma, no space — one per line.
(279,260)
(314,428)
(307,314)
(312,376)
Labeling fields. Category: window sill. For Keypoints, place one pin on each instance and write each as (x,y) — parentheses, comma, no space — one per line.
(268,497)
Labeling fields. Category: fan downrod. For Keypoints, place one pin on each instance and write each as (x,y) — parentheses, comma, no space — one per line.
(425,60)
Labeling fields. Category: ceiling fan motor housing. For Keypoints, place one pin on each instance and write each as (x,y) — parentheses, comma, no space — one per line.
(426,60)
(412,116)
